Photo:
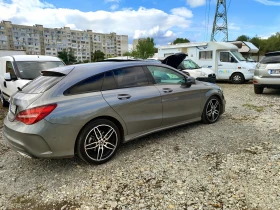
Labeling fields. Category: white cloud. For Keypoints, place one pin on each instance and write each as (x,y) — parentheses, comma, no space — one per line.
(134,23)
(169,34)
(232,26)
(196,3)
(268,2)
(182,11)
(114,6)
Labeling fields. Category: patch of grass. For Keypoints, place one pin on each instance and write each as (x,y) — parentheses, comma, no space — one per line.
(254,107)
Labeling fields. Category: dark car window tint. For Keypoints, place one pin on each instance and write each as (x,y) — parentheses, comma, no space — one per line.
(130,77)
(41,84)
(109,82)
(91,84)
(163,75)
(270,59)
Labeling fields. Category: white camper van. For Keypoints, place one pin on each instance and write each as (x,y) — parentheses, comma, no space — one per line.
(247,49)
(18,70)
(222,57)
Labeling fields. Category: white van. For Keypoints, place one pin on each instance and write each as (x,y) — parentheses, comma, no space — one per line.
(181,62)
(223,58)
(18,70)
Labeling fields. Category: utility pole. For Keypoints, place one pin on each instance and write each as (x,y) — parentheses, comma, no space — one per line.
(220,26)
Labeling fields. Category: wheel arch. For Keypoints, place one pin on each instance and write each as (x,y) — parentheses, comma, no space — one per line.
(112,119)
(208,95)
(236,72)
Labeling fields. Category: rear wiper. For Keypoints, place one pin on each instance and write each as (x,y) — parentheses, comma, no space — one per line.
(19,89)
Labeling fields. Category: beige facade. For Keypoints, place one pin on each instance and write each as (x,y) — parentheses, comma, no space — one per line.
(37,40)
(134,44)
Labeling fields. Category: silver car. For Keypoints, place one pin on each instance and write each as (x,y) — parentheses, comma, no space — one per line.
(90,109)
(267,73)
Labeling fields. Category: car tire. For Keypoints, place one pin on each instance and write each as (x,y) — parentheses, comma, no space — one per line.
(3,101)
(98,141)
(212,110)
(258,89)
(237,78)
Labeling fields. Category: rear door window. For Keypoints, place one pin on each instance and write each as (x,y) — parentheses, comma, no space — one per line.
(109,82)
(130,77)
(88,85)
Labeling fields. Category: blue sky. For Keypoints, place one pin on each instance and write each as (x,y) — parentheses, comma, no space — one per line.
(165,20)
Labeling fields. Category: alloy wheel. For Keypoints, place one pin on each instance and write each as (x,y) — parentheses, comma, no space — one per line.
(101,142)
(213,110)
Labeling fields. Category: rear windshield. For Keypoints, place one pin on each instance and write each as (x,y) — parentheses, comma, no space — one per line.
(32,69)
(41,84)
(270,59)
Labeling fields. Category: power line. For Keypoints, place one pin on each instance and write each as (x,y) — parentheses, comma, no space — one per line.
(228,5)
(209,1)
(205,16)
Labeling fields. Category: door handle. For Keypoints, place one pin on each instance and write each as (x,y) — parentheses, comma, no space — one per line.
(167,90)
(5,84)
(220,65)
(124,96)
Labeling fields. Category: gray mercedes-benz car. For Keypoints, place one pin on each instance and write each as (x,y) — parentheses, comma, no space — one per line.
(90,109)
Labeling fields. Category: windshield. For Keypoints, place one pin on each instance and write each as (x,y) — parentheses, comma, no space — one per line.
(238,55)
(189,64)
(32,69)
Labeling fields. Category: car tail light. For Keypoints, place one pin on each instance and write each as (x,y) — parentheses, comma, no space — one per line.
(31,116)
(255,82)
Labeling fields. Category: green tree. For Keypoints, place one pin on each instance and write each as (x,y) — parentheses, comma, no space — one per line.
(180,40)
(155,50)
(243,38)
(144,49)
(67,56)
(127,54)
(97,56)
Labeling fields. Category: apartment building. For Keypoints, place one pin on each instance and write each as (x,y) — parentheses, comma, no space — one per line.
(37,40)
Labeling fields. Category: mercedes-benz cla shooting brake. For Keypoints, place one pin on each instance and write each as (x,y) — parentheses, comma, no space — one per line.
(91,109)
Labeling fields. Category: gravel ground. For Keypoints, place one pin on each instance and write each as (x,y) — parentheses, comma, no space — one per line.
(232,164)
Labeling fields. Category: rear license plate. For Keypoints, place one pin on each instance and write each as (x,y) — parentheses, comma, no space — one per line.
(274,71)
(13,108)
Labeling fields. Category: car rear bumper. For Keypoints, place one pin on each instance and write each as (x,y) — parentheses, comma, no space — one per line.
(273,82)
(45,140)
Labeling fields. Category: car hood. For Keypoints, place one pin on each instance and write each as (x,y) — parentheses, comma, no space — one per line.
(174,60)
(206,71)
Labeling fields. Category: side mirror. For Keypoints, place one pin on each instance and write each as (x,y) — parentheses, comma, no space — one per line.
(189,81)
(7,77)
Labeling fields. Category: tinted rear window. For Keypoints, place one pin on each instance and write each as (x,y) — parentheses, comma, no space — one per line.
(41,84)
(88,85)
(32,69)
(270,59)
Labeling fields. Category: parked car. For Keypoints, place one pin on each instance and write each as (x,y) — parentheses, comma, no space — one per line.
(18,70)
(90,109)
(267,73)
(189,67)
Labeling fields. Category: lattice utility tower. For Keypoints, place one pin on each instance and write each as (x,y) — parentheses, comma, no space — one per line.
(220,26)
